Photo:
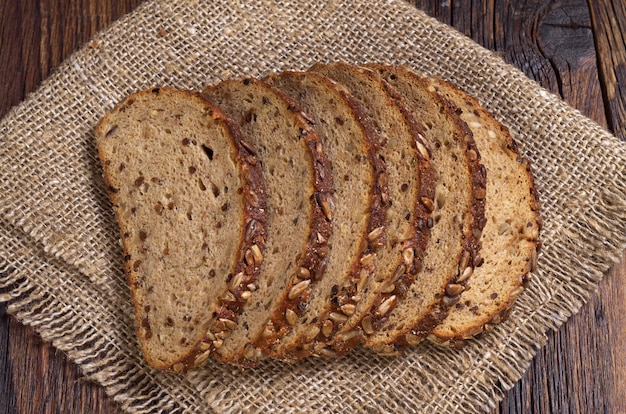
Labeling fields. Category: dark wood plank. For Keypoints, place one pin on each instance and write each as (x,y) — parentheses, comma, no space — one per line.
(35,37)
(609,23)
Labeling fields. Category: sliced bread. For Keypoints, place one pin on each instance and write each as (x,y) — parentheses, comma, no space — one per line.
(184,188)
(361,201)
(300,208)
(388,272)
(510,236)
(458,213)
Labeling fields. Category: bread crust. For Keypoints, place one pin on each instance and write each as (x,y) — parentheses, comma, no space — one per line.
(352,333)
(501,313)
(313,257)
(251,234)
(469,257)
(304,346)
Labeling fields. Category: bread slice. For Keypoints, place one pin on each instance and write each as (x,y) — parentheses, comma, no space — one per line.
(398,258)
(300,208)
(510,236)
(361,201)
(190,203)
(452,252)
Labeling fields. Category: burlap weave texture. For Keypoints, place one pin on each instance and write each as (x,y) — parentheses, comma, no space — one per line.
(60,260)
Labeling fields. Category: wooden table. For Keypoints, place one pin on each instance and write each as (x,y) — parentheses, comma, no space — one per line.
(575,48)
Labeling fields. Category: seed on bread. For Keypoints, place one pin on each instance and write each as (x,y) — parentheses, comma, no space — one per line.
(152,149)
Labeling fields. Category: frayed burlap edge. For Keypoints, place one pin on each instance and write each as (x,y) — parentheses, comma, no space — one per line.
(92,332)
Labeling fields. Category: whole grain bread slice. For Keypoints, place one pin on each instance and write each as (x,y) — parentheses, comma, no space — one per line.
(361,201)
(390,270)
(458,213)
(184,189)
(510,237)
(300,208)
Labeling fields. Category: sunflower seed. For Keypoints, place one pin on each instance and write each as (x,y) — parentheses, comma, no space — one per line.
(303,273)
(257,255)
(268,330)
(367,260)
(249,352)
(201,358)
(210,336)
(327,328)
(363,274)
(465,258)
(348,309)
(249,258)
(347,336)
(454,289)
(387,304)
(465,275)
(235,281)
(428,204)
(326,205)
(337,317)
(291,316)
(250,229)
(367,325)
(311,332)
(228,324)
(298,288)
(422,149)
(408,255)
(397,274)
(376,233)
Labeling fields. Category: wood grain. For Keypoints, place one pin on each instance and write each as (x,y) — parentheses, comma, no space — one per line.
(609,24)
(574,48)
(35,37)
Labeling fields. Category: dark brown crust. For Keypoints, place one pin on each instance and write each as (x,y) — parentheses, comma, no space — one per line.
(254,233)
(503,312)
(379,202)
(254,209)
(313,259)
(422,222)
(469,256)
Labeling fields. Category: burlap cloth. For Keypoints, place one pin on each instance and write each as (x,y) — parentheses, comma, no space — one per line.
(60,267)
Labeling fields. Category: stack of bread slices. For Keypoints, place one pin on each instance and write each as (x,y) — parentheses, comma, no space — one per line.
(308,213)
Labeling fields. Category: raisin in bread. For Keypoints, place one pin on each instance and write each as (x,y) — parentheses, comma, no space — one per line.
(458,213)
(359,218)
(184,189)
(391,269)
(299,205)
(510,236)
